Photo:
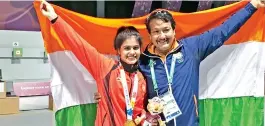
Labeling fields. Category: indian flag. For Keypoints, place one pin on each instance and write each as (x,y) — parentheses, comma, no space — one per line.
(231,79)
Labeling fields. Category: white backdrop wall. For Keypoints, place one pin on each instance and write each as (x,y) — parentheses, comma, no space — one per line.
(28,69)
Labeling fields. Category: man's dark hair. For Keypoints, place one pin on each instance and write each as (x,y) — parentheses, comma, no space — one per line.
(163,15)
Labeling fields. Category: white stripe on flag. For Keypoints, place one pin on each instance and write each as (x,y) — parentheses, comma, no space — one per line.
(71,83)
(233,71)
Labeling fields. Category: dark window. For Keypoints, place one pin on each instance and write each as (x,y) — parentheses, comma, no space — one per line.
(83,7)
(189,6)
(156,5)
(119,9)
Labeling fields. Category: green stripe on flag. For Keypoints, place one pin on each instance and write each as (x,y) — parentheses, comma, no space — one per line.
(79,115)
(241,111)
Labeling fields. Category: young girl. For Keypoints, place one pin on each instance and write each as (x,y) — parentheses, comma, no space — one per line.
(121,85)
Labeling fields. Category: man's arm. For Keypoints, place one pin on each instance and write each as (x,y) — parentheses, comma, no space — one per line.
(206,43)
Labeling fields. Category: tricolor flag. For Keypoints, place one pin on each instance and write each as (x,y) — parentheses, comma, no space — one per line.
(231,79)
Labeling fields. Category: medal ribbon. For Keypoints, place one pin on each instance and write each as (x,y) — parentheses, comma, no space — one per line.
(169,77)
(129,102)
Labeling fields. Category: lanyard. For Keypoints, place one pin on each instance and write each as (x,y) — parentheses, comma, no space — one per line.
(169,76)
(129,102)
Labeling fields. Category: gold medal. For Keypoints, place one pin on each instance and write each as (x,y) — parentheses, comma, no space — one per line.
(129,123)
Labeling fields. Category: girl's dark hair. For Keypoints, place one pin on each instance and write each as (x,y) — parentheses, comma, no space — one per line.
(124,33)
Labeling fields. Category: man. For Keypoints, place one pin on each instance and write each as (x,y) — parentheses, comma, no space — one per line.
(172,67)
